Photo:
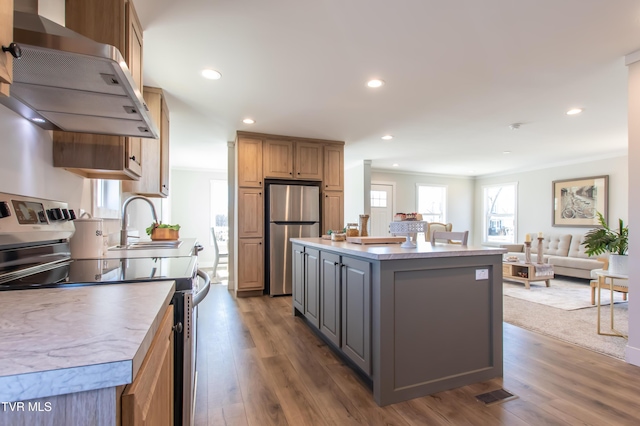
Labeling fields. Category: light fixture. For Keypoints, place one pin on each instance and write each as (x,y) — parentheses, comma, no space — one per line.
(387,137)
(506,152)
(211,74)
(248,121)
(574,111)
(375,83)
(38,120)
(472,171)
(396,165)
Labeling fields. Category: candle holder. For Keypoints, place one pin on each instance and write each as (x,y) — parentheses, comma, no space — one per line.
(540,250)
(527,252)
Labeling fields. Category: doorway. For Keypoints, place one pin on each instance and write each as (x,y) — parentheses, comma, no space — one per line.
(382,208)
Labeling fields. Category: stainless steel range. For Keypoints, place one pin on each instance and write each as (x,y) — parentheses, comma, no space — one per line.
(34,253)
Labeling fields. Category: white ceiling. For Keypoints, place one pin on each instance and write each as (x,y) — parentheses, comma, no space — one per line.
(457,73)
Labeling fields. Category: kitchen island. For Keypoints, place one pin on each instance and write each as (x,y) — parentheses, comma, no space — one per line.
(65,353)
(414,321)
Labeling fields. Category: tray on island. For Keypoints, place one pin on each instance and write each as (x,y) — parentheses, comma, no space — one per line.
(375,240)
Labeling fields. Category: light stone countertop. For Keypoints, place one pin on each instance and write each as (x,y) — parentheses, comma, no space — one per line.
(423,250)
(62,340)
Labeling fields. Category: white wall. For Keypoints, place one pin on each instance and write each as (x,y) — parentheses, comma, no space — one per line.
(460,193)
(190,202)
(354,193)
(26,165)
(633,346)
(535,204)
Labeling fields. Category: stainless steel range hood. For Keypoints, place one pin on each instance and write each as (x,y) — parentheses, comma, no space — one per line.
(65,81)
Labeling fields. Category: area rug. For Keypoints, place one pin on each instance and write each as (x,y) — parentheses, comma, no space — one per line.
(576,326)
(565,293)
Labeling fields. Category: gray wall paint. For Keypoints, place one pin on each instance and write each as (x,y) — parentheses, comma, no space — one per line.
(535,195)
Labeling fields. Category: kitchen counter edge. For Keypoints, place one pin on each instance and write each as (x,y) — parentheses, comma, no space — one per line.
(423,250)
(90,365)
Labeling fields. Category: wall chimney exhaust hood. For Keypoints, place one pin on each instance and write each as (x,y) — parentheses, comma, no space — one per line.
(65,81)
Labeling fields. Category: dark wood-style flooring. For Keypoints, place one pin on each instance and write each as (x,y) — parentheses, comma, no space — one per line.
(259,365)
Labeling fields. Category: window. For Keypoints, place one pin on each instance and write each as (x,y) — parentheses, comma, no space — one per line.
(219,214)
(432,202)
(378,198)
(499,209)
(106,198)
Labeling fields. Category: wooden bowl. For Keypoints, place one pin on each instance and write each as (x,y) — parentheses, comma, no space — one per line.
(164,234)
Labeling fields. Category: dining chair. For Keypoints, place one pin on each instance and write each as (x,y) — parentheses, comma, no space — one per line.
(436,226)
(459,237)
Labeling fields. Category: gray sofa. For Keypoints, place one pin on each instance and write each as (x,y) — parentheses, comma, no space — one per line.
(564,251)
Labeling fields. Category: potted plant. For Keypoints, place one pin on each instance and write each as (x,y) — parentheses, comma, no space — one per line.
(612,241)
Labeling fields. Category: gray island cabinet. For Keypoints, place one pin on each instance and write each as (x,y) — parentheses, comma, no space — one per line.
(414,321)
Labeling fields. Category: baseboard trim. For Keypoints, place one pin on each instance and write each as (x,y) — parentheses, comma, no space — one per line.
(632,355)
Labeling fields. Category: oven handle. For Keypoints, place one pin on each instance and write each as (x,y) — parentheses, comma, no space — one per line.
(205,289)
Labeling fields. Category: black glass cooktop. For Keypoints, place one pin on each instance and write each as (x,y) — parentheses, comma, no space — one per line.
(109,271)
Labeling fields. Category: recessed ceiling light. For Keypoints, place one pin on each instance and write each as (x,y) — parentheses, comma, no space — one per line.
(574,111)
(396,165)
(375,83)
(38,120)
(506,152)
(248,121)
(472,171)
(387,137)
(211,74)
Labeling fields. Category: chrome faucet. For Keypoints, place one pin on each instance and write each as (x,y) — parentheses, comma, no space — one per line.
(124,235)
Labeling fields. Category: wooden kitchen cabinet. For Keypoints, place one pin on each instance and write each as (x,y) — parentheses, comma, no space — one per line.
(154,181)
(288,159)
(113,22)
(332,211)
(6,38)
(333,168)
(250,213)
(148,400)
(278,159)
(249,162)
(262,156)
(251,257)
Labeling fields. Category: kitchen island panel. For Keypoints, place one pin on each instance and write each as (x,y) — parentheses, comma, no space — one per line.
(434,315)
(435,327)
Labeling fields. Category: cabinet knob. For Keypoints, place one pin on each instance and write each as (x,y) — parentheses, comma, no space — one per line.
(290,173)
(133,158)
(178,327)
(14,49)
(298,172)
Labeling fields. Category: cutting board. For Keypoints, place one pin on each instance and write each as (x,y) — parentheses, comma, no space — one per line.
(376,240)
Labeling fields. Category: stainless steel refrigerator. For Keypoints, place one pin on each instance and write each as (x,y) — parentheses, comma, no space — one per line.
(293,211)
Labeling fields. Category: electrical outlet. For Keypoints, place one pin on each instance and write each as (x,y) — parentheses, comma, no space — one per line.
(482,274)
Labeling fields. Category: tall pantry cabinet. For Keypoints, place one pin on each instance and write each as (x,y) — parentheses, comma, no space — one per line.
(263,156)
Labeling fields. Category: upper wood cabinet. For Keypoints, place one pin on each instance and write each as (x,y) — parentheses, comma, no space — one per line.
(278,159)
(249,162)
(333,211)
(112,22)
(308,164)
(250,213)
(154,181)
(333,168)
(6,37)
(286,159)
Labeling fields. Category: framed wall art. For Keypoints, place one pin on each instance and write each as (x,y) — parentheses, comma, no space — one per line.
(576,201)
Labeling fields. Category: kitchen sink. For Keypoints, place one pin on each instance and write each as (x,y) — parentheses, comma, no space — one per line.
(149,245)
